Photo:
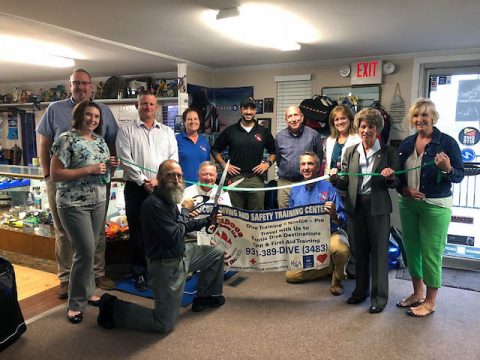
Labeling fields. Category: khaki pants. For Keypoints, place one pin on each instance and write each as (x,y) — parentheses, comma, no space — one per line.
(339,254)
(283,195)
(63,248)
(248,200)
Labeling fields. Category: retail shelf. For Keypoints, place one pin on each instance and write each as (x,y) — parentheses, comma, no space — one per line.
(104,101)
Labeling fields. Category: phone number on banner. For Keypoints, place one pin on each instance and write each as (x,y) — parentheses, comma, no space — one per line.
(274,240)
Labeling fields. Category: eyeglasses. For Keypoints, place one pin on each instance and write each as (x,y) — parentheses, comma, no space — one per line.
(174,176)
(78,82)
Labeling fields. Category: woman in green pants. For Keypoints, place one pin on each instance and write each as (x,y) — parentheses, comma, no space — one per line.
(425,203)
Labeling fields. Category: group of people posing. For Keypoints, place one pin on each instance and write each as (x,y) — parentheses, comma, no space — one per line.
(78,162)
(363,169)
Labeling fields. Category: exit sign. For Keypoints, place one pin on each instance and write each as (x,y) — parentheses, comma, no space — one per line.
(367,72)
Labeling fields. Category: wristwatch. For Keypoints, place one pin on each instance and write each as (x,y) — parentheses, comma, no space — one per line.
(450,172)
(269,162)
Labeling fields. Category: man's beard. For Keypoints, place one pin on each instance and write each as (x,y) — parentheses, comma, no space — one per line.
(173,193)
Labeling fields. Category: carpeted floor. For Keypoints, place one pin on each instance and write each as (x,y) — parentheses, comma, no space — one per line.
(455,278)
(266,318)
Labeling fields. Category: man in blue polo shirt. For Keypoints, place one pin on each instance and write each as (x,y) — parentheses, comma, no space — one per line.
(290,143)
(57,120)
(322,192)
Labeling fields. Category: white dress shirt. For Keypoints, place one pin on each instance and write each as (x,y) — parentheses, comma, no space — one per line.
(366,166)
(201,237)
(147,148)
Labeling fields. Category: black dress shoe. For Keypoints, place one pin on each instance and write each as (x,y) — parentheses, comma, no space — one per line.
(202,303)
(354,300)
(140,283)
(95,303)
(375,309)
(75,319)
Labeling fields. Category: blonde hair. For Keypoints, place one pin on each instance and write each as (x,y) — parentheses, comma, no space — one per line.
(331,120)
(423,105)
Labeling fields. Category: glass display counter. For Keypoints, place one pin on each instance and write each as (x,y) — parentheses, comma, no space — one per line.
(26,225)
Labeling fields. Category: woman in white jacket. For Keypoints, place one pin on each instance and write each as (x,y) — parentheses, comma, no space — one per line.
(342,136)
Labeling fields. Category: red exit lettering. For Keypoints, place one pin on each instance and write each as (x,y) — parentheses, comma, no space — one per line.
(367,69)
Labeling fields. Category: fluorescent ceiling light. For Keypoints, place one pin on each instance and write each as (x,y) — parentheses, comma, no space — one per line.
(262,25)
(27,51)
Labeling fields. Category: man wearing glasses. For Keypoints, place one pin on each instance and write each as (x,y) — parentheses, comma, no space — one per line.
(170,259)
(57,120)
(144,145)
(290,143)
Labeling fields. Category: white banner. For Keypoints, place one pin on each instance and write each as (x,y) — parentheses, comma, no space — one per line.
(272,240)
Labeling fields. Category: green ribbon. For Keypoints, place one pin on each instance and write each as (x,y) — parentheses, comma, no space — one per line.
(395,172)
(228,188)
(155,171)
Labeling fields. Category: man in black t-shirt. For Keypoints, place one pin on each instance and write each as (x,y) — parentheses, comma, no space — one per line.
(246,141)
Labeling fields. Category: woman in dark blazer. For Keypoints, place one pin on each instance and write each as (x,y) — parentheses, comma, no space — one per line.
(369,206)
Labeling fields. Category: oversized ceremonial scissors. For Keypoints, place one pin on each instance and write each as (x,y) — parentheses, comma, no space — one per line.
(201,200)
(211,229)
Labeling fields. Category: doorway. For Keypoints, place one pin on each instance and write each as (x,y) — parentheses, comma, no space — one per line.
(456,94)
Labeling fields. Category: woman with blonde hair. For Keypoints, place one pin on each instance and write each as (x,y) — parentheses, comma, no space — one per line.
(342,136)
(425,203)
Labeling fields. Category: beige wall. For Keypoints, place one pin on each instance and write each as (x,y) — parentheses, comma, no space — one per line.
(198,76)
(262,79)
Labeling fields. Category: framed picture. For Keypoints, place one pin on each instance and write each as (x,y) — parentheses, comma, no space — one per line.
(259,106)
(265,122)
(268,105)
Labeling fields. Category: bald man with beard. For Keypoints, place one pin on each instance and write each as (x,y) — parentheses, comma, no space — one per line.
(169,260)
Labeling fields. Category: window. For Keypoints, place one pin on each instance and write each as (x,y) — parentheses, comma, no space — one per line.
(291,90)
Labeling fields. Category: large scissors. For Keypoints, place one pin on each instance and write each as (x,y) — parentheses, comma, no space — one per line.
(213,226)
(201,200)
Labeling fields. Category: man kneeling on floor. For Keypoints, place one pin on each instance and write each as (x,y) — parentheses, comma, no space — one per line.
(169,260)
(322,192)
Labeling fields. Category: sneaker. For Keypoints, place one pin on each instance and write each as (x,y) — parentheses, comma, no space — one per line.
(337,289)
(140,282)
(201,303)
(63,290)
(105,315)
(105,283)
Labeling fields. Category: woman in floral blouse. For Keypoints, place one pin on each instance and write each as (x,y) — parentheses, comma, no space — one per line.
(80,165)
